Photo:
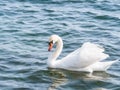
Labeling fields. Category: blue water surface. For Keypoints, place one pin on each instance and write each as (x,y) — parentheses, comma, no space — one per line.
(25,26)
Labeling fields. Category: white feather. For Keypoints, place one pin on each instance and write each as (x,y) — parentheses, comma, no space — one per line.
(86,58)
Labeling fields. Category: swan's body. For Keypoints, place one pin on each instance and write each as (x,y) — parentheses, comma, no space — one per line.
(87,58)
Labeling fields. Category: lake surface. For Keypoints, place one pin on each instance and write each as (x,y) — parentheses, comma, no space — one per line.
(25,26)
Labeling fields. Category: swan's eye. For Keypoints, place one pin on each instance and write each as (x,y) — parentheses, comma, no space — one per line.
(51,42)
(50,45)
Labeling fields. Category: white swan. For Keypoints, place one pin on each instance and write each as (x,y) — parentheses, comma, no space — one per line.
(87,58)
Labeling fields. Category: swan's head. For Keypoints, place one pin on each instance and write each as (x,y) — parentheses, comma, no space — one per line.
(53,39)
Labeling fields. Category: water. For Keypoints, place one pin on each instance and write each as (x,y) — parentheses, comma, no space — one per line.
(25,26)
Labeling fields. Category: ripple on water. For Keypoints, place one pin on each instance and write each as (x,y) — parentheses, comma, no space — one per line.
(25,26)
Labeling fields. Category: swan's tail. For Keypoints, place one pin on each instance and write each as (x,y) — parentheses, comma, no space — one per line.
(103,66)
(107,64)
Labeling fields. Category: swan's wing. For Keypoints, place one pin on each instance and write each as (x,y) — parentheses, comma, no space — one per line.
(86,55)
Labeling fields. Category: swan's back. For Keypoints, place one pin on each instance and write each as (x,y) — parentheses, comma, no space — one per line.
(87,55)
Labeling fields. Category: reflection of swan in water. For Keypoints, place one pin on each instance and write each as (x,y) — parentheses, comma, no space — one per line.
(56,83)
(63,77)
(59,80)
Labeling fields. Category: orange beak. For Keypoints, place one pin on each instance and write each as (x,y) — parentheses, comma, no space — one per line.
(50,46)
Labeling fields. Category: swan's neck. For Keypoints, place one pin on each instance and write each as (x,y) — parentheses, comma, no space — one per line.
(54,56)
